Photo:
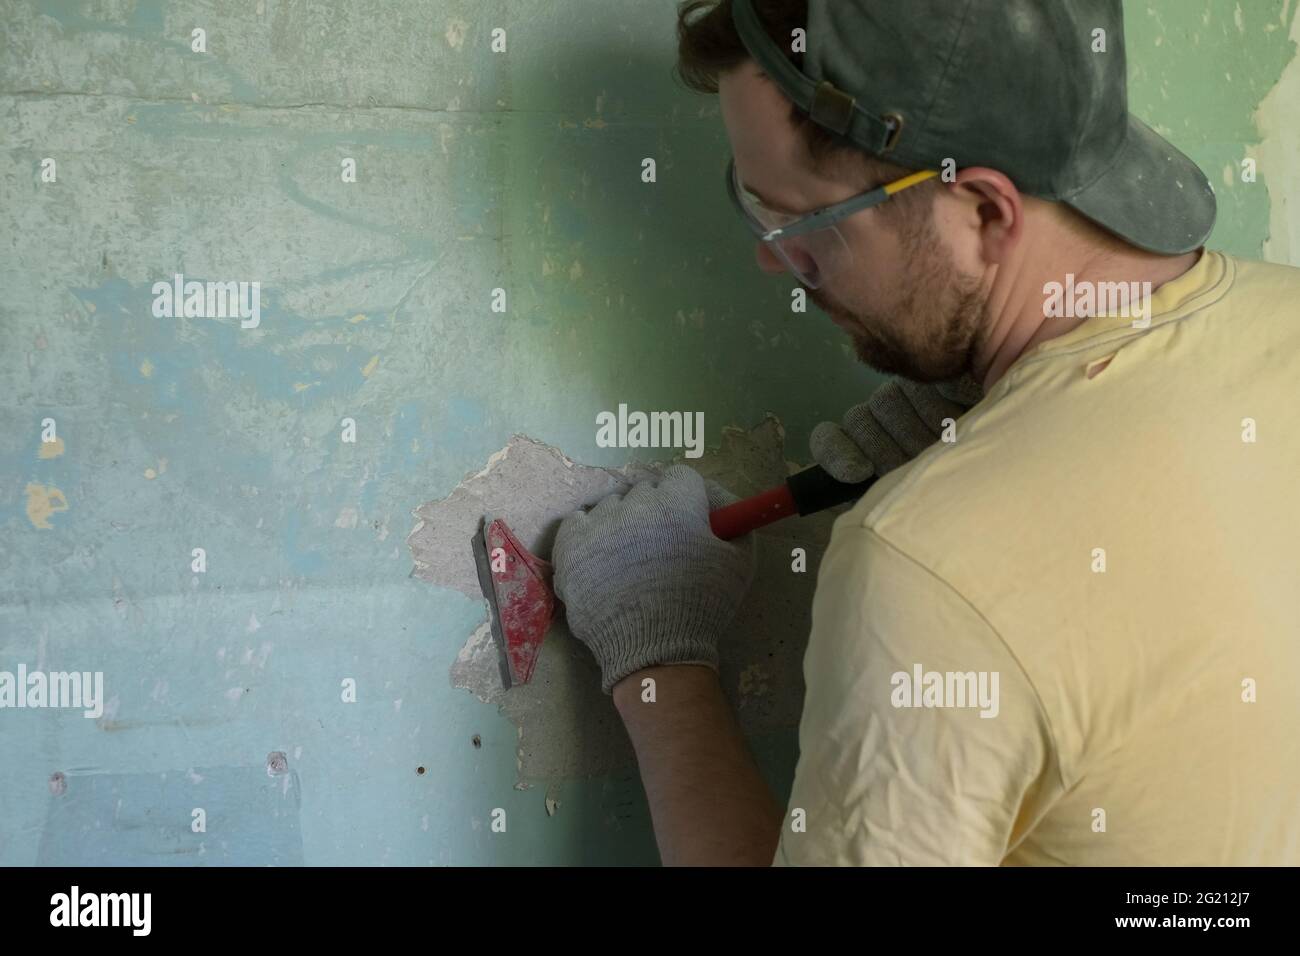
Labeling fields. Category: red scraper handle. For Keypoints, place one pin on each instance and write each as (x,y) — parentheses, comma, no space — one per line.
(805,493)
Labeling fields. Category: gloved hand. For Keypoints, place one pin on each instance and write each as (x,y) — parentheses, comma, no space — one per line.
(898,422)
(643,579)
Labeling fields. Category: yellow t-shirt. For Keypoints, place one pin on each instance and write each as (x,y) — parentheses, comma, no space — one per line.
(1072,636)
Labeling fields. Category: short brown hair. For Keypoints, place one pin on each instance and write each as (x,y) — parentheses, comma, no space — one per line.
(708,45)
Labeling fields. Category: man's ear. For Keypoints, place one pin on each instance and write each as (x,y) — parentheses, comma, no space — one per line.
(997,203)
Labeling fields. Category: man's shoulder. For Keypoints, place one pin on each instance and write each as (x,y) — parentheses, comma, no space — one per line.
(1052,420)
(923,506)
(1259,270)
(1271,286)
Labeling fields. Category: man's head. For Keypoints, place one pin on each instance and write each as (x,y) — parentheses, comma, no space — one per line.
(906,306)
(919,296)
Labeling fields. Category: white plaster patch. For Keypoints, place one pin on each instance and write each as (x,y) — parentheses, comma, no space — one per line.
(533,486)
(455,33)
(566,726)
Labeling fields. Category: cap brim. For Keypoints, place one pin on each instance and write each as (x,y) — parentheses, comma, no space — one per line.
(1153,196)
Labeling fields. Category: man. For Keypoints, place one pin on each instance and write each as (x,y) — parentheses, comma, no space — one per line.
(1070,635)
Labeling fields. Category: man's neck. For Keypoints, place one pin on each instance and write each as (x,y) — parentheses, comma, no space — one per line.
(1017,299)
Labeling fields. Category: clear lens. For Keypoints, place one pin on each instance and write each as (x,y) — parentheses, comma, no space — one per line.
(812,257)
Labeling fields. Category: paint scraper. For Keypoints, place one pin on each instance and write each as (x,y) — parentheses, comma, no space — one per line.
(517,584)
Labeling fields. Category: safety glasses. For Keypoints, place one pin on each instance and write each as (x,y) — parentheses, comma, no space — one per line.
(810,245)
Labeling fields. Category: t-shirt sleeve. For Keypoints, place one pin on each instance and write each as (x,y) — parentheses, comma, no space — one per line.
(922,742)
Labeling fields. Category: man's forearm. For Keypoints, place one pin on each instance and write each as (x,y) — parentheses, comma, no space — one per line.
(709,804)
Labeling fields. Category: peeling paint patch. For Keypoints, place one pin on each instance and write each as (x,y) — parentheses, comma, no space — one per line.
(477,669)
(42,502)
(753,682)
(533,486)
(455,33)
(567,727)
(50,449)
(446,134)
(1278,155)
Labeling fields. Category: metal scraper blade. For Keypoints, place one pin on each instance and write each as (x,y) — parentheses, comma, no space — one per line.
(517,587)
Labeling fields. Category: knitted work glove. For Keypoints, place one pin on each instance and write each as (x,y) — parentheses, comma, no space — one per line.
(643,579)
(898,422)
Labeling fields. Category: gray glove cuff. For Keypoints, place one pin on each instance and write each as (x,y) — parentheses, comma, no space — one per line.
(667,623)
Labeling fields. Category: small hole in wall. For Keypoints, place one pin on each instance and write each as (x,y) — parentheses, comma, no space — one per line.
(477,741)
(420,771)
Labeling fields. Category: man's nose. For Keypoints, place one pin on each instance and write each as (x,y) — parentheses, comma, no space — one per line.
(767,260)
(773,264)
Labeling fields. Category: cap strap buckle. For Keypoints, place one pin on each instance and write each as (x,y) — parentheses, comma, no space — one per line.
(832,108)
(894,122)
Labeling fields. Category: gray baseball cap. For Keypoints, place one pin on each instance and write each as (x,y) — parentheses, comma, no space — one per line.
(1014,85)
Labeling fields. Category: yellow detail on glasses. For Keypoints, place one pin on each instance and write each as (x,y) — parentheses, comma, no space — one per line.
(811,245)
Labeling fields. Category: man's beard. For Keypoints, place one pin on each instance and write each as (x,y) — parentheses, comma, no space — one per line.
(933,333)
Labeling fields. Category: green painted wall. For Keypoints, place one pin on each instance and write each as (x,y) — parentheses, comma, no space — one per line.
(475,170)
